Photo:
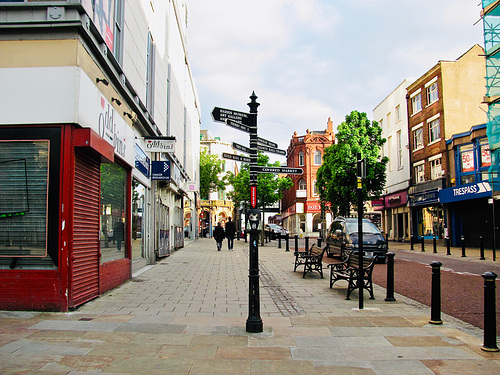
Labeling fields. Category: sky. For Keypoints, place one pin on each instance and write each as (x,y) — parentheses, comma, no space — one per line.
(310,60)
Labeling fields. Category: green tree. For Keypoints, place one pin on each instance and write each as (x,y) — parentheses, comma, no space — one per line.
(210,168)
(337,176)
(270,187)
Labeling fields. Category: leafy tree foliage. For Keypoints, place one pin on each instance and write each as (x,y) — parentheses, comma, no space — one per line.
(337,176)
(210,168)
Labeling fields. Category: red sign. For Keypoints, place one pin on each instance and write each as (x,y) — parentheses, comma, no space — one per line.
(253,196)
(313,207)
(468,161)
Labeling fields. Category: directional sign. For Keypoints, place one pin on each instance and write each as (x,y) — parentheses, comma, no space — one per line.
(239,126)
(271,149)
(236,157)
(265,142)
(284,170)
(242,148)
(223,114)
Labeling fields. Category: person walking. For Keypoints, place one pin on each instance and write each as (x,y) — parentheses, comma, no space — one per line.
(219,235)
(230,232)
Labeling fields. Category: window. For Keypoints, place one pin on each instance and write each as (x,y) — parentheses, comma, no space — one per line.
(434,131)
(432,93)
(416,103)
(315,189)
(150,75)
(419,173)
(389,119)
(389,148)
(399,147)
(398,113)
(302,184)
(436,170)
(301,159)
(418,138)
(485,153)
(118,37)
(317,157)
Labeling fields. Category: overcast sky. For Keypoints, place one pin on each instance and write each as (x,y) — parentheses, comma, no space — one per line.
(308,60)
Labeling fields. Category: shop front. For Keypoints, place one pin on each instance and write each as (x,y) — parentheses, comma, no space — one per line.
(397,216)
(427,215)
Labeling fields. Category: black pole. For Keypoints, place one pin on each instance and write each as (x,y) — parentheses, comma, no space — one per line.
(463,246)
(360,230)
(494,229)
(296,244)
(307,244)
(254,321)
(279,241)
(287,243)
(448,250)
(481,248)
(319,241)
(436,293)
(390,277)
(490,319)
(434,244)
(423,243)
(411,242)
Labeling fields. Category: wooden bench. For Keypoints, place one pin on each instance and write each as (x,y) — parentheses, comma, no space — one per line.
(312,260)
(349,270)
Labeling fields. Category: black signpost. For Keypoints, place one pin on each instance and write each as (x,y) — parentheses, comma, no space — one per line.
(247,122)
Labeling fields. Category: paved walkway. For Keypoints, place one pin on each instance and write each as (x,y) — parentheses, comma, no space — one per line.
(187,315)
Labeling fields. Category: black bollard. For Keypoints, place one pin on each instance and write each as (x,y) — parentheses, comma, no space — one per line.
(463,246)
(307,243)
(287,243)
(434,245)
(390,277)
(423,243)
(436,294)
(296,244)
(387,240)
(319,241)
(279,241)
(411,242)
(481,248)
(245,235)
(490,319)
(448,250)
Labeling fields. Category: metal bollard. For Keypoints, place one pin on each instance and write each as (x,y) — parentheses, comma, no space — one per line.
(387,240)
(319,241)
(279,241)
(490,319)
(411,242)
(481,248)
(307,243)
(463,246)
(423,243)
(448,250)
(245,232)
(296,244)
(436,293)
(390,277)
(287,244)
(434,245)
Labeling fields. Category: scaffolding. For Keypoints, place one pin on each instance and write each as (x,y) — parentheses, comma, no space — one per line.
(491,22)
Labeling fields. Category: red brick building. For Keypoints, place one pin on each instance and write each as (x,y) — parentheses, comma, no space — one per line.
(301,213)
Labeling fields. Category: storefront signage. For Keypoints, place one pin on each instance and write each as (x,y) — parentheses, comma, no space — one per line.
(468,161)
(485,156)
(160,144)
(160,170)
(313,207)
(428,197)
(142,161)
(465,192)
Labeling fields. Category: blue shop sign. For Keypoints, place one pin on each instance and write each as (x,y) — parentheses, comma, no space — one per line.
(160,170)
(465,192)
(427,197)
(141,161)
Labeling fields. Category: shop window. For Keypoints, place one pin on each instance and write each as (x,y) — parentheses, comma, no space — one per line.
(113,212)
(138,220)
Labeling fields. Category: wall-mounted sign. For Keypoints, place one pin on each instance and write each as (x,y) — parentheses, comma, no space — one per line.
(160,144)
(160,170)
(142,162)
(468,161)
(469,191)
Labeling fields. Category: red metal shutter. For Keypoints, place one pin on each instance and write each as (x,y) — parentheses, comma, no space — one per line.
(85,267)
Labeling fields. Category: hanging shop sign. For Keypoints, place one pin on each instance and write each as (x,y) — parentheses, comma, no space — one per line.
(160,144)
(142,162)
(160,170)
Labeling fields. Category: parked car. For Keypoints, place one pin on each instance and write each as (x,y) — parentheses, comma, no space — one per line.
(342,238)
(274,230)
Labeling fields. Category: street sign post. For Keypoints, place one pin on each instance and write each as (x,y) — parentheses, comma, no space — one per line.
(242,148)
(223,114)
(284,170)
(238,125)
(271,149)
(265,142)
(236,157)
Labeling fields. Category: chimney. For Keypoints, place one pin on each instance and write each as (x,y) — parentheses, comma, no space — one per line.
(330,125)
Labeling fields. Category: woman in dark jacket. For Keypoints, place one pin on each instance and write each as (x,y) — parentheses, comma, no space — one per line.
(219,235)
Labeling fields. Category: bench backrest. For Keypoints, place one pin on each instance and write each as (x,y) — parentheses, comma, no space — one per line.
(353,261)
(316,252)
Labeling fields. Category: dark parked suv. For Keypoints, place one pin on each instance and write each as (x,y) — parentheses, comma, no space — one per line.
(342,238)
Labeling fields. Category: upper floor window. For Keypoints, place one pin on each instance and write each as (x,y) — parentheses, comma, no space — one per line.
(419,172)
(398,113)
(434,130)
(317,157)
(150,75)
(416,103)
(301,158)
(399,146)
(118,35)
(418,137)
(436,169)
(302,184)
(315,189)
(432,93)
